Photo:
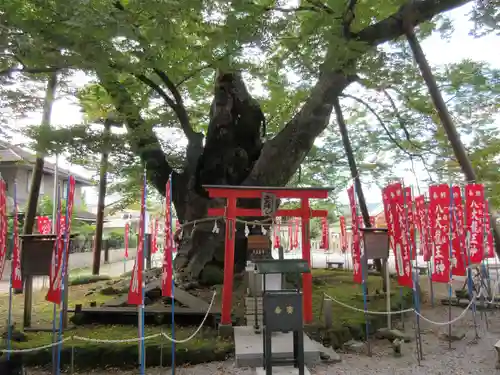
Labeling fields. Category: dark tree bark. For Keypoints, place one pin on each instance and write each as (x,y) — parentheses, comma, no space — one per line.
(355,174)
(103,174)
(446,120)
(37,175)
(233,153)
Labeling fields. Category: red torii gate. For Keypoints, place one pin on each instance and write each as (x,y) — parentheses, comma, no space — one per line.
(231,211)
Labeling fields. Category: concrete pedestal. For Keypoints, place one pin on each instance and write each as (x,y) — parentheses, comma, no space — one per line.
(249,348)
(283,370)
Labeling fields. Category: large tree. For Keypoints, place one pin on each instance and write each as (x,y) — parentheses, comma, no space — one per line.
(156,63)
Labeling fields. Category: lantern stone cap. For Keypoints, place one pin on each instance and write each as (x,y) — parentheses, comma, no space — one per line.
(269,266)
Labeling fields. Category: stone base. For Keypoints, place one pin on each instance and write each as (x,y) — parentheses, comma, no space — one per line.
(225,330)
(282,370)
(249,348)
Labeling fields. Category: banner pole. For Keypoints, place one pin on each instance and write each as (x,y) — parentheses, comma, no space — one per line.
(141,308)
(63,274)
(173,282)
(56,219)
(415,289)
(9,318)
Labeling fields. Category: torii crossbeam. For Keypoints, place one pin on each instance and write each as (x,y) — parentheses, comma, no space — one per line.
(231,211)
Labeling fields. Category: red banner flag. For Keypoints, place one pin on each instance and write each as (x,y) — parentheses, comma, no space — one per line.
(474,213)
(386,199)
(277,235)
(490,250)
(356,240)
(155,237)
(421,221)
(16,278)
(458,235)
(296,234)
(57,273)
(343,235)
(325,243)
(410,221)
(439,213)
(399,224)
(135,288)
(3,226)
(166,281)
(127,235)
(44,224)
(361,223)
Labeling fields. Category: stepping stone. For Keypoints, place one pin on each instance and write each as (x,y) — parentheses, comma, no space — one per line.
(282,370)
(355,346)
(328,355)
(392,334)
(455,336)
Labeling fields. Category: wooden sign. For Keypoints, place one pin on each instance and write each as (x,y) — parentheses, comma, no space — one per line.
(268,204)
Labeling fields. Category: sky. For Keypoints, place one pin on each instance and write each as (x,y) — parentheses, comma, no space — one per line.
(439,52)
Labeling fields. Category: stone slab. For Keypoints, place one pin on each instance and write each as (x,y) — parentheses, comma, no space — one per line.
(249,347)
(282,370)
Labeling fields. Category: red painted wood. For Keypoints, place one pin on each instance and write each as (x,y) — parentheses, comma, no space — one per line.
(306,255)
(227,289)
(255,192)
(255,212)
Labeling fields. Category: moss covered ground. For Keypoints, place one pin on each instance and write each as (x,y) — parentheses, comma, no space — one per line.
(206,346)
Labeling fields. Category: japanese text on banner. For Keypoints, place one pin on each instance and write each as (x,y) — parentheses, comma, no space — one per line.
(474,214)
(3,226)
(490,250)
(166,281)
(400,233)
(325,235)
(410,221)
(17,281)
(61,250)
(127,235)
(356,240)
(458,261)
(439,213)
(423,227)
(277,235)
(135,287)
(343,234)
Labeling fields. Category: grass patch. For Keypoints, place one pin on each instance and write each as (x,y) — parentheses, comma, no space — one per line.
(87,279)
(347,323)
(205,347)
(42,310)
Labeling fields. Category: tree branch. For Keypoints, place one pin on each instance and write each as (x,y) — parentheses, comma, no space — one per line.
(289,147)
(9,71)
(143,140)
(392,27)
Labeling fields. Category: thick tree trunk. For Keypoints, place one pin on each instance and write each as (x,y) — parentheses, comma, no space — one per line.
(36,177)
(103,174)
(233,152)
(232,147)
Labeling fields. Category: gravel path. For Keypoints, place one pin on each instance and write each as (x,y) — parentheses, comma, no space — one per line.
(465,357)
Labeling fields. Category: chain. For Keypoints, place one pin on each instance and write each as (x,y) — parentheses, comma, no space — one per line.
(108,341)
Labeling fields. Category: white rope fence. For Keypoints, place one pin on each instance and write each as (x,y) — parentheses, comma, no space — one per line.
(120,341)
(482,292)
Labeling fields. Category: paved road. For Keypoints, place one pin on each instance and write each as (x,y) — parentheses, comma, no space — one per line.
(112,269)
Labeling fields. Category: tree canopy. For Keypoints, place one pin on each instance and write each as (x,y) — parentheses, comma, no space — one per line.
(152,66)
